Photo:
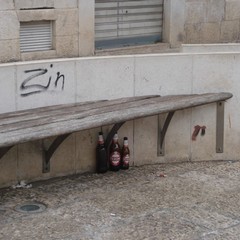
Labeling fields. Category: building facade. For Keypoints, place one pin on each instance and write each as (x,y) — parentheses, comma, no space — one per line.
(47,29)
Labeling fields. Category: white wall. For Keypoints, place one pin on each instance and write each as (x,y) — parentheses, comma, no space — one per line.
(123,76)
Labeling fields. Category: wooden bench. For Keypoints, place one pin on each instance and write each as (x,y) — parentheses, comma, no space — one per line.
(62,120)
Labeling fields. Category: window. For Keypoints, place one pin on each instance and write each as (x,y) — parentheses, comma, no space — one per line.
(36,36)
(128,22)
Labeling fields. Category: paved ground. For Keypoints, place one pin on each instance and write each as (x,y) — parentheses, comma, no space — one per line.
(193,201)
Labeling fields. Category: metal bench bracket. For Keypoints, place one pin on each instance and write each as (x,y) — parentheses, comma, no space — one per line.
(220,127)
(4,150)
(47,154)
(114,129)
(162,132)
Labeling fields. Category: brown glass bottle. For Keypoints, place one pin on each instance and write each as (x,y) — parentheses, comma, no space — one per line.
(101,155)
(125,154)
(115,154)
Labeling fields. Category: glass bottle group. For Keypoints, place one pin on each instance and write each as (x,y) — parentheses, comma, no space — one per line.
(117,157)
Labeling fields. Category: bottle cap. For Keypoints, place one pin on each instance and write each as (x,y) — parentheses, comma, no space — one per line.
(125,138)
(100,133)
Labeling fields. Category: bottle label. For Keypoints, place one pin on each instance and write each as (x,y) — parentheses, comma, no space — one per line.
(115,158)
(100,139)
(126,160)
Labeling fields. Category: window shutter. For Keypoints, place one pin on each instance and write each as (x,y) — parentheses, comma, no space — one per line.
(128,20)
(35,36)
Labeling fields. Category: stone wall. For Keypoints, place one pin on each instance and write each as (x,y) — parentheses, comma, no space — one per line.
(94,78)
(63,14)
(212,21)
(210,48)
(185,21)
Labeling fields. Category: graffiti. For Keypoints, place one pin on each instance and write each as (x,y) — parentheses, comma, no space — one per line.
(32,84)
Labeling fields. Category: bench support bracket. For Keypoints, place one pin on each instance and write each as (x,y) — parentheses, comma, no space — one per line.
(162,132)
(47,154)
(220,127)
(114,129)
(4,150)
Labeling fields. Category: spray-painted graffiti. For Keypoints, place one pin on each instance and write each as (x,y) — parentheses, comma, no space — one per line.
(33,84)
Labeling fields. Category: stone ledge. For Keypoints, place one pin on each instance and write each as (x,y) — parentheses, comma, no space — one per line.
(38,55)
(141,49)
(30,4)
(36,15)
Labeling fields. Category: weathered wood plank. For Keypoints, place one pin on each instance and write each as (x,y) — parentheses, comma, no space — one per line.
(108,115)
(89,110)
(42,112)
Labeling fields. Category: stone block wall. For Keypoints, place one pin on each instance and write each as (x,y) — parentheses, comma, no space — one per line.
(9,28)
(63,14)
(185,21)
(212,21)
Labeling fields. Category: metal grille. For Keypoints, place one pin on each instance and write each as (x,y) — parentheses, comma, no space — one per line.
(35,36)
(115,19)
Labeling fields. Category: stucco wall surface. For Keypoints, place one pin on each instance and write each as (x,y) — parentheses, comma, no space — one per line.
(122,76)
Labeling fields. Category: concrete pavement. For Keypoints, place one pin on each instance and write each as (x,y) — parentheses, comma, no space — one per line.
(167,201)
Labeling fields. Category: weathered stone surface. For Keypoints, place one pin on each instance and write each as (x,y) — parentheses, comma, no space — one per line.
(7,89)
(64,157)
(85,157)
(196,12)
(36,15)
(9,25)
(27,56)
(9,164)
(210,32)
(207,48)
(6,5)
(65,4)
(202,33)
(230,31)
(29,160)
(145,146)
(204,19)
(86,27)
(188,21)
(215,10)
(232,10)
(177,19)
(193,33)
(9,50)
(27,4)
(67,46)
(67,22)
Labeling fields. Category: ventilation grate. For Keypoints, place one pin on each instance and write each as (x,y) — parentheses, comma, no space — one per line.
(35,36)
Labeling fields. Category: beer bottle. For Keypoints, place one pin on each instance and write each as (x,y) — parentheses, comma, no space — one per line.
(125,154)
(115,154)
(101,155)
